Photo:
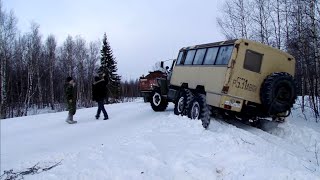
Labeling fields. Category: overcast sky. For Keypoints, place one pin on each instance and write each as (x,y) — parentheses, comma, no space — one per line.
(140,32)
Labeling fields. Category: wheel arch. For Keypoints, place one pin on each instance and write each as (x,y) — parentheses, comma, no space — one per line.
(184,85)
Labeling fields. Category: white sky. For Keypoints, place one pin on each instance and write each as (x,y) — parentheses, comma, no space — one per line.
(140,32)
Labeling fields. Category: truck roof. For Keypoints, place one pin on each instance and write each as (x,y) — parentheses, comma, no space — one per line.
(228,42)
(231,42)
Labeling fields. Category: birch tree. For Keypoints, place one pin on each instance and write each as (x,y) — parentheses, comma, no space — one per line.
(50,50)
(36,52)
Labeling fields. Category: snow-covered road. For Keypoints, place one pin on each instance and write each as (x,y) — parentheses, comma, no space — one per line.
(138,143)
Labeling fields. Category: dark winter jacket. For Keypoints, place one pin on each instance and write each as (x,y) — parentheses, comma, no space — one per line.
(71,94)
(99,90)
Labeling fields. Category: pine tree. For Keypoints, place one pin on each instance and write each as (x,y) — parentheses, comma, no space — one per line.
(109,71)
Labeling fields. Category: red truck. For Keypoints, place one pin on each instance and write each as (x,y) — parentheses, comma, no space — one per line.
(147,82)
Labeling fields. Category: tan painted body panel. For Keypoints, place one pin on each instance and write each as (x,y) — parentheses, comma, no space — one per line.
(244,85)
(273,60)
(211,77)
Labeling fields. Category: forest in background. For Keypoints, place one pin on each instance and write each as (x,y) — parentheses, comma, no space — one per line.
(33,69)
(289,25)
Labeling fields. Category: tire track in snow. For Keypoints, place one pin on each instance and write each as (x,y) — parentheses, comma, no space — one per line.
(274,144)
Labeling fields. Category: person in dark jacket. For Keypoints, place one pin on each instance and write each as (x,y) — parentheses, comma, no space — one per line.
(71,98)
(99,90)
(106,80)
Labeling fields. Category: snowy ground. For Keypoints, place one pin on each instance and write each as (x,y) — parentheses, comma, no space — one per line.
(137,143)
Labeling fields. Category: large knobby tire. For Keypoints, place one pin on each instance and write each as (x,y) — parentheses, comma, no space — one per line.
(183,102)
(199,109)
(278,93)
(158,102)
(180,103)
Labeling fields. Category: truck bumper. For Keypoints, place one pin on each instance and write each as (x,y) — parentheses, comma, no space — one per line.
(231,103)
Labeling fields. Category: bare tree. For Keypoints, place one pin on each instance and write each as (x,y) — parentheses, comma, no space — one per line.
(92,65)
(36,52)
(7,39)
(130,89)
(237,21)
(80,54)
(316,57)
(32,72)
(276,11)
(50,51)
(261,20)
(67,55)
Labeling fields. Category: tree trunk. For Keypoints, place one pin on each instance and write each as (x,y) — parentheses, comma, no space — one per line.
(51,88)
(29,91)
(3,108)
(40,100)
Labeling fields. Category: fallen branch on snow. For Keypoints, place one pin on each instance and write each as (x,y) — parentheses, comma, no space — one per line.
(247,142)
(11,175)
(310,169)
(316,152)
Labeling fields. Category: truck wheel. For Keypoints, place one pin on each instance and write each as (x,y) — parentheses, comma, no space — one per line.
(278,93)
(199,109)
(183,102)
(158,102)
(180,104)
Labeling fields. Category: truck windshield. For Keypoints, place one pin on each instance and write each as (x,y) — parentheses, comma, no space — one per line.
(180,57)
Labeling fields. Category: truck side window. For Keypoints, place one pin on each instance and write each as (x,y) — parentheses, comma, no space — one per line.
(180,57)
(253,61)
(198,59)
(211,56)
(190,56)
(224,55)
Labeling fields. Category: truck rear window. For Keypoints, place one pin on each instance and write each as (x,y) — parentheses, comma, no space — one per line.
(252,61)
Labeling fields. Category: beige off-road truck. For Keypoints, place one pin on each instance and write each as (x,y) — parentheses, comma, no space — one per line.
(240,78)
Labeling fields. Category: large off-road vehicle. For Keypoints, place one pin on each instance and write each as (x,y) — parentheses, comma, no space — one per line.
(146,83)
(240,78)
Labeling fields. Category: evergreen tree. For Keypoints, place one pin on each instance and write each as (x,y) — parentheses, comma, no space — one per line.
(109,70)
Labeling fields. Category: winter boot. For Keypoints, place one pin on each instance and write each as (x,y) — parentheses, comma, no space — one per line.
(71,122)
(70,119)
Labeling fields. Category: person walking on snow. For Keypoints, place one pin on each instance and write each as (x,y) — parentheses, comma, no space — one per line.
(71,97)
(99,90)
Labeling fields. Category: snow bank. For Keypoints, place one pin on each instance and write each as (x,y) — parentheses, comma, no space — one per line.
(137,143)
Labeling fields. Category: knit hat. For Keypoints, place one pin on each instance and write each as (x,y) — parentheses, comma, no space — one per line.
(69,79)
(96,78)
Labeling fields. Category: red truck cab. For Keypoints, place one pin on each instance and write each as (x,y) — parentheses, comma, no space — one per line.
(146,83)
